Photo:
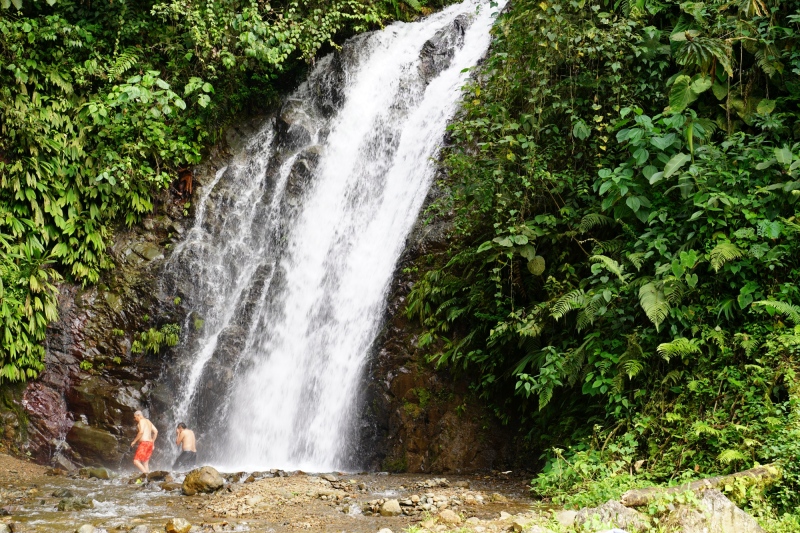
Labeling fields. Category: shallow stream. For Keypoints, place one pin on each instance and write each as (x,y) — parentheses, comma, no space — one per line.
(119,505)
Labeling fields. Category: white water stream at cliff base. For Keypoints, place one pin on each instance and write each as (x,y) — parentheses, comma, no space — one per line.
(300,280)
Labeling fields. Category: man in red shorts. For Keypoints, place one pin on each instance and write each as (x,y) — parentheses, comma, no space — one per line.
(146,439)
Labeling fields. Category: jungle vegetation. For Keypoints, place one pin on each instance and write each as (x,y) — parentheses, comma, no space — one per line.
(622,278)
(102,104)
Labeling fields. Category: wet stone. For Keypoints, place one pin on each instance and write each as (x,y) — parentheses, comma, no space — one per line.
(75,504)
(177,525)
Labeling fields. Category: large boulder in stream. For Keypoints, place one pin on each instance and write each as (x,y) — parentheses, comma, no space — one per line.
(713,513)
(203,479)
(613,513)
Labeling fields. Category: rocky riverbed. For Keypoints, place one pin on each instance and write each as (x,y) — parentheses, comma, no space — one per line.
(31,496)
(39,499)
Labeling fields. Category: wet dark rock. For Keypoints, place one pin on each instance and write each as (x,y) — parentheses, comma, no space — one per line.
(159,475)
(75,504)
(62,493)
(92,443)
(439,50)
(170,486)
(202,480)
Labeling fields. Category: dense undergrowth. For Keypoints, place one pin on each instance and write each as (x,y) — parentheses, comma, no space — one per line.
(103,104)
(622,278)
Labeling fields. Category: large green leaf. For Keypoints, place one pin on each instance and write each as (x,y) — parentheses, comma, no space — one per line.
(681,95)
(675,164)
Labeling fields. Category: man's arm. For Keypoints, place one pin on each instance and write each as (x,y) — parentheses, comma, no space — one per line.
(179,439)
(155,431)
(138,435)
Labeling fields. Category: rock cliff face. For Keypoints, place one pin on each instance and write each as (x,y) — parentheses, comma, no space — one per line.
(416,418)
(80,410)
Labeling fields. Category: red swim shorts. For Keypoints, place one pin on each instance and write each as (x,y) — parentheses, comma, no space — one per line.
(144,451)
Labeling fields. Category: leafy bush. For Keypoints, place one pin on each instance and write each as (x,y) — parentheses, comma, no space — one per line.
(624,183)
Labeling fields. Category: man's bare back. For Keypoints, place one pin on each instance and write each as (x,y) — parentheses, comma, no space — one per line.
(186,440)
(146,429)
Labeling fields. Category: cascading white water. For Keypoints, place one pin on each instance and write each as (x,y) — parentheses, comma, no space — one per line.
(292,283)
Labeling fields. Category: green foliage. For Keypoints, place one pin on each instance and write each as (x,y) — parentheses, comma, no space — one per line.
(101,104)
(155,339)
(649,154)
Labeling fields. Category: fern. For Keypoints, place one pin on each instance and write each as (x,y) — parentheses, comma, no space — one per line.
(729,456)
(724,252)
(587,315)
(792,312)
(594,220)
(632,367)
(680,347)
(611,265)
(655,304)
(569,302)
(124,62)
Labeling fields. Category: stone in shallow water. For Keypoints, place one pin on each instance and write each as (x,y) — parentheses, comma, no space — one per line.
(75,504)
(94,472)
(177,525)
(86,528)
(204,479)
(391,508)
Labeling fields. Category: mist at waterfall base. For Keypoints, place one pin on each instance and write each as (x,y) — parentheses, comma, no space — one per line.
(295,243)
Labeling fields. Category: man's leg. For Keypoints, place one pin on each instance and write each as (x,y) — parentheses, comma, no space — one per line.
(138,464)
(146,467)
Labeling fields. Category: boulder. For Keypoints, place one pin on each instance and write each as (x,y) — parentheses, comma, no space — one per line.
(565,517)
(93,444)
(521,524)
(177,525)
(329,477)
(159,475)
(613,513)
(86,528)
(4,528)
(203,479)
(170,485)
(94,472)
(62,493)
(713,513)
(449,517)
(75,504)
(391,508)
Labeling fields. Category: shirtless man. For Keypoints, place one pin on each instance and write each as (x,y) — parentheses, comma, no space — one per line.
(185,439)
(146,437)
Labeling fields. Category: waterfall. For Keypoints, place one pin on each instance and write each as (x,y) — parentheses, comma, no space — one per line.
(295,242)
